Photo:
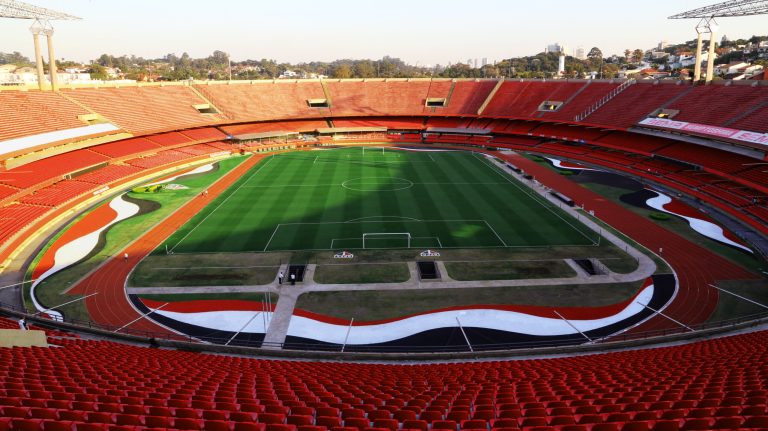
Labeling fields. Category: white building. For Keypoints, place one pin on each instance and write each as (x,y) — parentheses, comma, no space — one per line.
(555,47)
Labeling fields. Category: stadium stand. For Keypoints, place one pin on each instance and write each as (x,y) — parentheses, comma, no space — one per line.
(275,126)
(756,120)
(521,99)
(466,97)
(265,100)
(634,104)
(204,134)
(579,101)
(378,97)
(59,193)
(161,158)
(26,113)
(53,167)
(86,384)
(146,109)
(108,174)
(723,103)
(16,216)
(126,147)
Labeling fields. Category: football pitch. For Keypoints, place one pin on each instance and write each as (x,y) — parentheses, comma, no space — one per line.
(376,198)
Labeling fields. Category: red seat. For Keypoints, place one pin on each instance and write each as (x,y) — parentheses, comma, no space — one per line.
(431,416)
(404,415)
(19,424)
(312,428)
(417,424)
(445,425)
(696,424)
(474,424)
(86,426)
(379,414)
(280,427)
(125,419)
(248,426)
(728,423)
(755,422)
(188,424)
(158,422)
(300,420)
(328,421)
(100,417)
(635,426)
(217,425)
(390,424)
(56,425)
(242,417)
(666,425)
(359,423)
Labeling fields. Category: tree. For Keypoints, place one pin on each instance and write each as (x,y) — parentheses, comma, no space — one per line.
(637,55)
(342,71)
(595,54)
(98,72)
(627,54)
(365,69)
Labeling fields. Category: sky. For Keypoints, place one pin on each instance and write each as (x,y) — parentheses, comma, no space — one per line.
(422,32)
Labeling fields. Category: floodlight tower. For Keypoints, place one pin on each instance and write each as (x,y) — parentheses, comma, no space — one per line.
(707,25)
(41,24)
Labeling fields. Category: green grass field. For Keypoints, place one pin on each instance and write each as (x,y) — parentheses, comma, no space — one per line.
(376,199)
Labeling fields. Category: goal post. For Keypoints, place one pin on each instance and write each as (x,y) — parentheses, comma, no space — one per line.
(384,235)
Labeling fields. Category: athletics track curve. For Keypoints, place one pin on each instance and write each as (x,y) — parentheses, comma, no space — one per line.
(695,266)
(111,306)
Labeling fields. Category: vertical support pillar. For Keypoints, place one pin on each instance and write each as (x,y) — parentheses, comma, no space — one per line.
(38,58)
(51,60)
(697,66)
(711,55)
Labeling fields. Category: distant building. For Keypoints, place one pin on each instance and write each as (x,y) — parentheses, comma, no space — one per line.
(12,75)
(555,47)
(288,74)
(580,53)
(662,45)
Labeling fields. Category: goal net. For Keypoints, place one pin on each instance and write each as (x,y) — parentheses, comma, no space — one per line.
(387,239)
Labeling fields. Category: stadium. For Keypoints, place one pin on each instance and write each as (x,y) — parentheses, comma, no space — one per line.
(384,254)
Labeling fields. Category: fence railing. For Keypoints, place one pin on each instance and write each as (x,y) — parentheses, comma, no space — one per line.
(605,99)
(255,344)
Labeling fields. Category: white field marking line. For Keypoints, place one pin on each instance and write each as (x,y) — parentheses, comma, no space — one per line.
(358,239)
(342,185)
(495,233)
(214,267)
(378,218)
(273,235)
(220,204)
(382,221)
(430,158)
(440,243)
(316,157)
(534,196)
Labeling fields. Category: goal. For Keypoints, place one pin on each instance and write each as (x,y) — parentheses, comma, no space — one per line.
(374,237)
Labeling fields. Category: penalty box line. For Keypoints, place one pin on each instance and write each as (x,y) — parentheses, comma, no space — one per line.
(439,243)
(274,232)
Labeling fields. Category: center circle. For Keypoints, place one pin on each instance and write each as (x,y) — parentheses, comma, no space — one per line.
(377,184)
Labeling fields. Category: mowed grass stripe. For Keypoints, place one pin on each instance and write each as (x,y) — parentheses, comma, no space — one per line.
(303,191)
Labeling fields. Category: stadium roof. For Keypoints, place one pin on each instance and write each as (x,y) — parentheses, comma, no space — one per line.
(726,9)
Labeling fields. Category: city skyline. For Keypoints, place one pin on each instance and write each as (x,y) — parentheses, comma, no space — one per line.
(421,33)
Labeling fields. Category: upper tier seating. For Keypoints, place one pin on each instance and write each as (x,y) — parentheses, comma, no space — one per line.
(756,120)
(356,98)
(634,104)
(59,193)
(465,99)
(50,168)
(388,122)
(717,104)
(276,126)
(146,109)
(521,99)
(266,100)
(26,113)
(126,147)
(108,173)
(713,384)
(584,98)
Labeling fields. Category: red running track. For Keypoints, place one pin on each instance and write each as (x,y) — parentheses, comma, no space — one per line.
(695,266)
(111,306)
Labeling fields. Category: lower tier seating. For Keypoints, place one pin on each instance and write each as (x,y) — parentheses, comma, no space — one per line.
(97,385)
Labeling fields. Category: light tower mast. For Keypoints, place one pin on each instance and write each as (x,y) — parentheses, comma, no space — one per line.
(707,25)
(41,24)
